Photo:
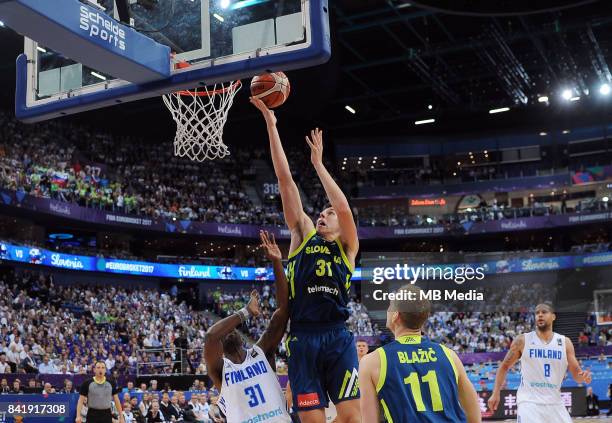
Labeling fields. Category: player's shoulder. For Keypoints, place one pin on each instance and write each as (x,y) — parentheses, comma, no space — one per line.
(371,361)
(520,339)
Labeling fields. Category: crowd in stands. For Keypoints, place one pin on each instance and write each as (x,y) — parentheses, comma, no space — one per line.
(227,302)
(73,164)
(594,335)
(478,332)
(55,329)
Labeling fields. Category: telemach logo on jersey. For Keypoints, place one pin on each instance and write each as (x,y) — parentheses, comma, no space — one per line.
(323,289)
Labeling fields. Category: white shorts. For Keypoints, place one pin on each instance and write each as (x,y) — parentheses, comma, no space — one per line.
(531,412)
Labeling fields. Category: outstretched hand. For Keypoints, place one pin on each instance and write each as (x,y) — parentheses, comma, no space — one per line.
(253,305)
(269,244)
(587,377)
(268,114)
(315,142)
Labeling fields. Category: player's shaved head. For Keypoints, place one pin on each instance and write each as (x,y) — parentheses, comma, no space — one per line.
(545,306)
(232,342)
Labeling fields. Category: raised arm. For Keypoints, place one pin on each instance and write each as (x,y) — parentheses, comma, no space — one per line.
(213,340)
(273,334)
(516,349)
(579,375)
(348,229)
(295,218)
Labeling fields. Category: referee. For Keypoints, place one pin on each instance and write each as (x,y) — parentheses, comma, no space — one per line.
(99,393)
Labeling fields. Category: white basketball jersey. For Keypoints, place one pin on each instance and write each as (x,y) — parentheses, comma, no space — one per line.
(250,391)
(543,368)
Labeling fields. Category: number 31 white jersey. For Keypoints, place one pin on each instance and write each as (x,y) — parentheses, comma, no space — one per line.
(543,368)
(250,392)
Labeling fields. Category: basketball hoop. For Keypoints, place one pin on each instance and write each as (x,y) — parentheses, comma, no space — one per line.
(200,115)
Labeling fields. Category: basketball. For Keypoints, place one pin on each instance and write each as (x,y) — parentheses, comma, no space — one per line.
(271,88)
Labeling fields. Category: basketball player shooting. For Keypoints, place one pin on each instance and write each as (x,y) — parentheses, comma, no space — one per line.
(545,358)
(322,356)
(246,379)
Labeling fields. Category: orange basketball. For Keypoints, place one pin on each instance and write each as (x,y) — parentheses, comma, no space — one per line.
(271,88)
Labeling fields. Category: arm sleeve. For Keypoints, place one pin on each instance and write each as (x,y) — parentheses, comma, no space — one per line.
(116,389)
(84,390)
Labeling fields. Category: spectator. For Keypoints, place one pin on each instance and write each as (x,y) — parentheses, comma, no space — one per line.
(5,367)
(17,387)
(4,386)
(48,389)
(164,405)
(128,416)
(155,415)
(46,367)
(175,411)
(145,404)
(592,403)
(68,387)
(28,363)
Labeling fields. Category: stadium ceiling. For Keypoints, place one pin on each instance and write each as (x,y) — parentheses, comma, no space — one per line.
(395,63)
(401,62)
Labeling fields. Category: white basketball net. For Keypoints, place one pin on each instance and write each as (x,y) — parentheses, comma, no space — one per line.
(200,115)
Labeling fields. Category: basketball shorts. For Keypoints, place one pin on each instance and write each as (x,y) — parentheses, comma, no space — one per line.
(531,412)
(99,416)
(322,365)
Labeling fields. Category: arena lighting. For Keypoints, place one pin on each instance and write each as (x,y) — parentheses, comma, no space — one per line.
(605,199)
(61,236)
(224,4)
(500,110)
(566,94)
(97,75)
(219,17)
(543,99)
(247,3)
(543,134)
(575,98)
(566,131)
(430,106)
(42,50)
(350,109)
(604,89)
(423,122)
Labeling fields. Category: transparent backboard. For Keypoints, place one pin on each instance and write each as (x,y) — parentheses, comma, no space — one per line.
(211,41)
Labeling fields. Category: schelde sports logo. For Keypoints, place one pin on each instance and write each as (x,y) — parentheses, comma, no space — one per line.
(308,400)
(101,26)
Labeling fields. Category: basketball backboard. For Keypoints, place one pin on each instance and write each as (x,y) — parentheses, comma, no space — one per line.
(221,40)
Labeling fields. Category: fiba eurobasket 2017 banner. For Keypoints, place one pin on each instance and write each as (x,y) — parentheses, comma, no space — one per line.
(574,399)
(31,408)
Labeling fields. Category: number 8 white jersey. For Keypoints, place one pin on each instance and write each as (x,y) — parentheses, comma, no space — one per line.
(250,391)
(543,368)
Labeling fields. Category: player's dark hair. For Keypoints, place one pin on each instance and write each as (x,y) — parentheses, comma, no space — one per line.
(99,361)
(413,313)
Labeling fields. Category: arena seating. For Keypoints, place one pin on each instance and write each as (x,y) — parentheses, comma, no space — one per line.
(72,164)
